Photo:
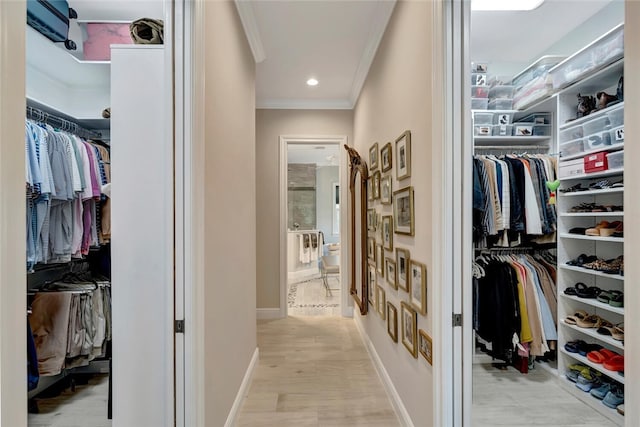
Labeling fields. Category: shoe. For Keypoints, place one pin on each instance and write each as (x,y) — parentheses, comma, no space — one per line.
(600,356)
(605,100)
(619,231)
(574,346)
(601,391)
(618,332)
(610,229)
(586,384)
(614,397)
(616,363)
(621,409)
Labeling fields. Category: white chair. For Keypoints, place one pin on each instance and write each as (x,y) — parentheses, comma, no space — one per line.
(330,264)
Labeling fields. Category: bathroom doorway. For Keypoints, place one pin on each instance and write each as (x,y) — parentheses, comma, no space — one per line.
(311,222)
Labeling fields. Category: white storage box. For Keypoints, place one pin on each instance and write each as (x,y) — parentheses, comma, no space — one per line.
(501,104)
(502,118)
(479,91)
(598,140)
(479,103)
(571,134)
(501,92)
(616,117)
(482,118)
(538,69)
(478,79)
(502,130)
(596,125)
(572,148)
(541,130)
(602,52)
(523,129)
(482,130)
(617,135)
(571,168)
(615,160)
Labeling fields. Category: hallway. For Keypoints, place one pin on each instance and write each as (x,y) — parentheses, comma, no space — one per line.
(314,371)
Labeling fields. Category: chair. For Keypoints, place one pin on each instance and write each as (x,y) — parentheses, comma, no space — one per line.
(330,264)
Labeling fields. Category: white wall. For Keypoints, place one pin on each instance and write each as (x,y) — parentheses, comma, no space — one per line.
(397,97)
(270,125)
(13,349)
(326,176)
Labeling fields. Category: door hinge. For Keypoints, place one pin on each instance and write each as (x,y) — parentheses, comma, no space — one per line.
(179,326)
(457,319)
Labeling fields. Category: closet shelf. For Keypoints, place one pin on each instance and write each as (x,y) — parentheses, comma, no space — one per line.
(589,214)
(591,272)
(598,367)
(592,333)
(523,140)
(591,116)
(596,404)
(602,174)
(595,303)
(594,238)
(594,82)
(607,148)
(594,193)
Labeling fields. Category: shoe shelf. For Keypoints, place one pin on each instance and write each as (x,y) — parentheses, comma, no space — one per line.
(592,333)
(610,172)
(595,303)
(592,116)
(597,366)
(594,238)
(589,214)
(596,404)
(591,272)
(594,193)
(607,148)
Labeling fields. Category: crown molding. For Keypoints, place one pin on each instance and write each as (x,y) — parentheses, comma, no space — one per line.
(251,30)
(381,16)
(304,104)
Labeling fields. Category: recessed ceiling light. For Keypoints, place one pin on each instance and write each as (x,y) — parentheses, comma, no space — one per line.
(312,82)
(505,4)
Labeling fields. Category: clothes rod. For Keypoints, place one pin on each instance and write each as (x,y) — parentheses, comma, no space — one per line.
(60,123)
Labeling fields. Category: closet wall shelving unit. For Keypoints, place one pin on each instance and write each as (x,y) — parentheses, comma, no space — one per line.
(604,126)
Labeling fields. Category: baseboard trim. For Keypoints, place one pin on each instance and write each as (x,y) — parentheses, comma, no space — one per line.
(232,419)
(268,313)
(396,401)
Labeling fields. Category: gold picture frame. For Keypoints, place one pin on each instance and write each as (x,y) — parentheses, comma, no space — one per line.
(403,211)
(386,190)
(387,232)
(371,219)
(418,286)
(425,346)
(403,156)
(371,248)
(392,321)
(375,186)
(380,259)
(373,157)
(385,157)
(372,280)
(381,302)
(402,269)
(390,271)
(409,321)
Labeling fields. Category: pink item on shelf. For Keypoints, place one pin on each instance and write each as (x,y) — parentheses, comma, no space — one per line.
(100,37)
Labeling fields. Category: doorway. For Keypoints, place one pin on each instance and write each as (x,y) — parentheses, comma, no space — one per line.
(312,218)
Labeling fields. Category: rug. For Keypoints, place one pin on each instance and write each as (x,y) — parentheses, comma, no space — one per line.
(313,286)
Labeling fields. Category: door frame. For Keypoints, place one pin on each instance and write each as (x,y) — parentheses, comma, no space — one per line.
(346,307)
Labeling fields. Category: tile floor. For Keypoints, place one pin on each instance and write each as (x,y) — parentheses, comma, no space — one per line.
(308,297)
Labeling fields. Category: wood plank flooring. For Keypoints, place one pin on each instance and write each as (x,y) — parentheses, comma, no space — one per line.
(314,371)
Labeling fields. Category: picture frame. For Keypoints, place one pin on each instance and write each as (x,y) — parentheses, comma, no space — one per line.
(372,280)
(403,211)
(370,188)
(390,271)
(373,157)
(381,302)
(375,186)
(385,157)
(403,156)
(379,259)
(387,232)
(402,269)
(386,190)
(418,286)
(371,219)
(425,346)
(371,248)
(392,321)
(409,333)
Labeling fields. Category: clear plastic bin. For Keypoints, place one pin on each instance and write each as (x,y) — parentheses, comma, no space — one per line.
(596,125)
(501,104)
(541,130)
(502,130)
(522,129)
(616,117)
(540,68)
(572,148)
(571,134)
(479,103)
(483,118)
(602,52)
(617,135)
(598,139)
(479,91)
(537,118)
(482,130)
(615,160)
(501,92)
(502,118)
(478,79)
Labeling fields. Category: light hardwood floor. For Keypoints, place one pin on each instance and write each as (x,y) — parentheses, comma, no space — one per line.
(314,371)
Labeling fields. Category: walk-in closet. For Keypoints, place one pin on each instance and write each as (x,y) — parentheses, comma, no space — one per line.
(101,88)
(547,117)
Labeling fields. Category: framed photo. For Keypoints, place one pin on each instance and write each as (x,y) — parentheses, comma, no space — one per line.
(372,284)
(387,232)
(425,346)
(402,269)
(409,320)
(370,188)
(375,186)
(381,302)
(403,156)
(403,211)
(392,322)
(390,267)
(385,157)
(373,157)
(380,259)
(386,190)
(371,248)
(418,286)
(371,219)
